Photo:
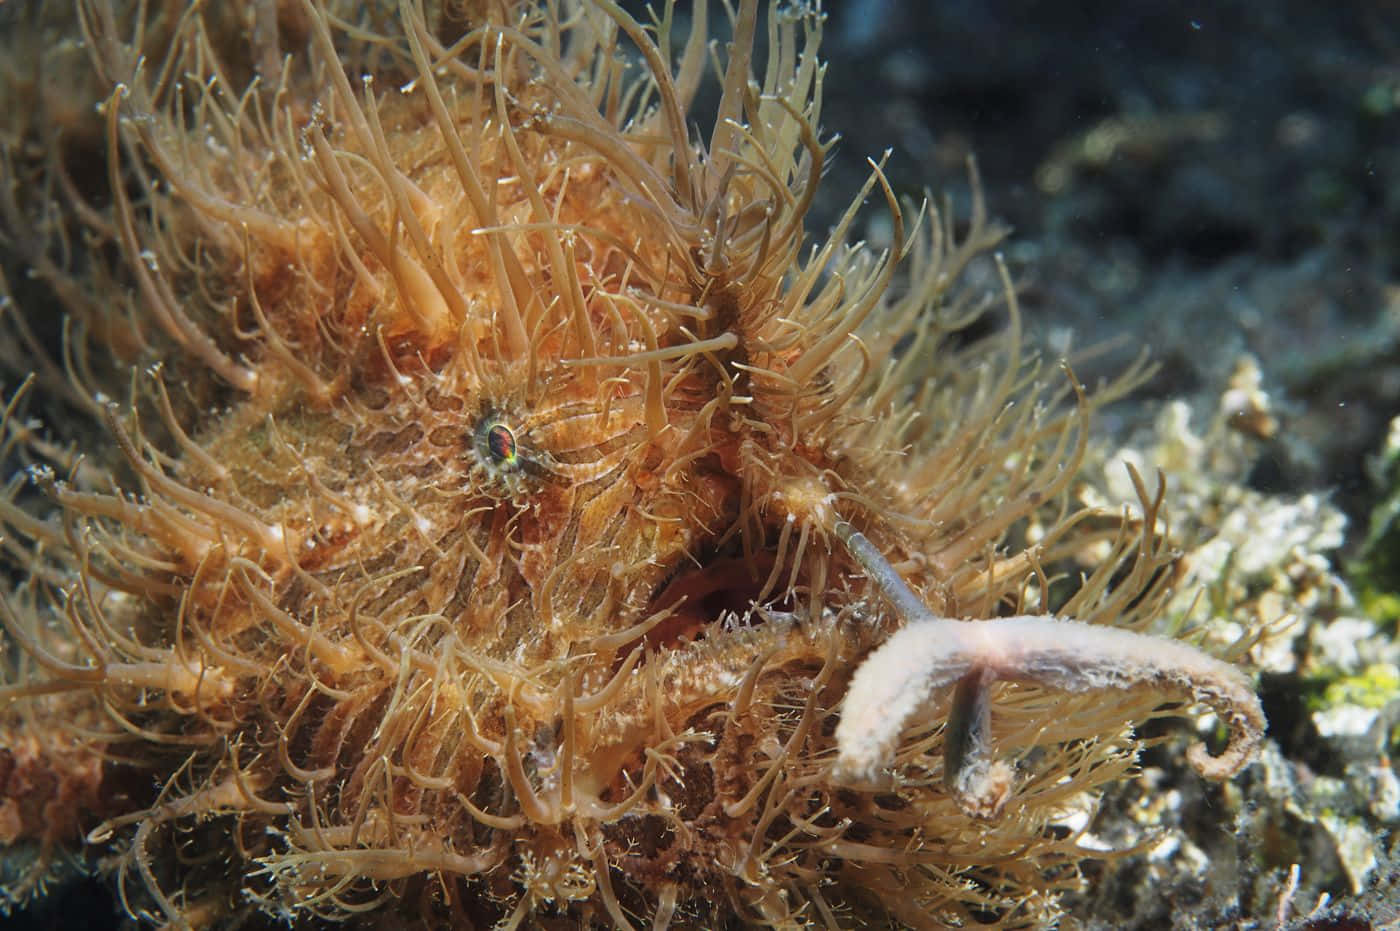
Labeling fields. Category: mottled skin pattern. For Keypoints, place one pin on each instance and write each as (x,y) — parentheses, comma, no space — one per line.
(517,493)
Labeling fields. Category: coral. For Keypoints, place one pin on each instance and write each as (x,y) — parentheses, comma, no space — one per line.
(1321,806)
(1375,571)
(502,513)
(1249,560)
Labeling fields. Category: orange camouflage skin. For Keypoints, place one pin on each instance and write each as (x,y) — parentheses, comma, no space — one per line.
(493,495)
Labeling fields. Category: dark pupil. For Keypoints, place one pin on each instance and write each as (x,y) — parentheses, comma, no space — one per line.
(501,442)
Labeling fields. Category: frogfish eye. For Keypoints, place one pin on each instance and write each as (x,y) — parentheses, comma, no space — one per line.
(500,445)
